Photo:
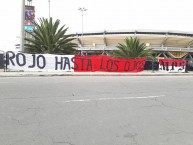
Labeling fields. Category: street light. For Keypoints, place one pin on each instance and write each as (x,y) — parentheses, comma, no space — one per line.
(82,11)
(29,2)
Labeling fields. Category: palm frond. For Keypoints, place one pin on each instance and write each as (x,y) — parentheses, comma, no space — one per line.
(48,37)
(132,48)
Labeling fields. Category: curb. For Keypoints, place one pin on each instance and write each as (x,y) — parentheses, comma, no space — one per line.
(49,74)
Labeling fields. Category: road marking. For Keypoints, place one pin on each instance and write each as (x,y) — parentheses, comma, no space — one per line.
(105,99)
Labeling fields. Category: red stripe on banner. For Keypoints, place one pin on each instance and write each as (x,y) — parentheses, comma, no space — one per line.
(172,62)
(107,64)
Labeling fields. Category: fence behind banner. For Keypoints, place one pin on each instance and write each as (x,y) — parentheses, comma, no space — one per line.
(1,61)
(149,65)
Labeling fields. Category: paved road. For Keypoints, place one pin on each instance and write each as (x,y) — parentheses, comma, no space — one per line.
(93,110)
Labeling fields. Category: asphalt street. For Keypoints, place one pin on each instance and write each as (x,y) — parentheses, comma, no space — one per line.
(96,110)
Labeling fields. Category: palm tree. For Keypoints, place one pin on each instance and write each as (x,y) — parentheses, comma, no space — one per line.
(48,37)
(132,49)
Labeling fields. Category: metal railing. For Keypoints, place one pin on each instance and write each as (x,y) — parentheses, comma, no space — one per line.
(172,49)
(153,48)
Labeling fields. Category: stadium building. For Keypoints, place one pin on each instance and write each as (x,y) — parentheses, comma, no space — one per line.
(165,44)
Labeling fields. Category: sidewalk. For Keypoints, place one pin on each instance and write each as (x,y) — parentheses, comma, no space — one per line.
(50,74)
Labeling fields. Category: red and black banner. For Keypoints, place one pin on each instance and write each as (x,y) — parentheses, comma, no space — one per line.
(107,64)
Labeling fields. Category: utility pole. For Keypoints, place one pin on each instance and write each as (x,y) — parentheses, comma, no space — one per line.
(49,9)
(22,35)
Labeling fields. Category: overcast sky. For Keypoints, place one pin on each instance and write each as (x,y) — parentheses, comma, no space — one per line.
(168,15)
